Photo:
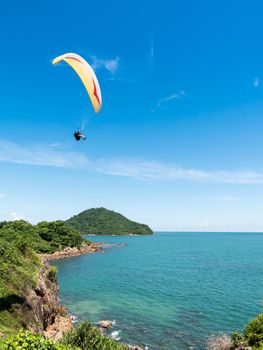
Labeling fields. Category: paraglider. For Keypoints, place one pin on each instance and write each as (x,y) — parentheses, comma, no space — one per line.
(78,135)
(88,78)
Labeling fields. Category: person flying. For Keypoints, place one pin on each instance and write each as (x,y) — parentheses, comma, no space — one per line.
(78,135)
(89,80)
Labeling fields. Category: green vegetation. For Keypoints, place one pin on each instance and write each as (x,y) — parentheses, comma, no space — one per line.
(87,337)
(254,332)
(19,270)
(25,340)
(45,237)
(84,337)
(99,221)
(20,265)
(251,337)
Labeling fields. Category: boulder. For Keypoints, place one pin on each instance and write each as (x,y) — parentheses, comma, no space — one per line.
(105,324)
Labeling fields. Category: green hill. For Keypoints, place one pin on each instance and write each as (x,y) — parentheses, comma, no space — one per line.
(100,221)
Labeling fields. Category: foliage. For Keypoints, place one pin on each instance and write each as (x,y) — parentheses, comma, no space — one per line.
(17,230)
(45,237)
(9,323)
(238,340)
(20,265)
(254,331)
(84,337)
(101,221)
(59,235)
(18,268)
(87,337)
(25,340)
(52,273)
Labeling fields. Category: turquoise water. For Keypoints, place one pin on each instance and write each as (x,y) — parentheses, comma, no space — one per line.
(170,290)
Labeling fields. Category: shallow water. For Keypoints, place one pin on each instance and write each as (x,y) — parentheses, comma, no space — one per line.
(170,290)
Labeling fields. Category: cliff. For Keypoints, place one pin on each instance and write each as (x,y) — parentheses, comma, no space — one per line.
(28,289)
(41,311)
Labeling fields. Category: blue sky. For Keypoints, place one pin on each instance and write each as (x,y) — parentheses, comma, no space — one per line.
(178,143)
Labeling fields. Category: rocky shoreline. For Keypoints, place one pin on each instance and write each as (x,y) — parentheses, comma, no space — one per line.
(40,309)
(69,252)
(59,322)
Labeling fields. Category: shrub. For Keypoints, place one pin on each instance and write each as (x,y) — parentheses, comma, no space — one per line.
(25,340)
(238,340)
(254,331)
(87,337)
(52,273)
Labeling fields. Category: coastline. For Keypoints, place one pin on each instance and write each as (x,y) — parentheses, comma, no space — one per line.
(63,321)
(70,252)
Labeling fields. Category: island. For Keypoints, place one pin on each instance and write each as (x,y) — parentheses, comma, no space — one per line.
(101,221)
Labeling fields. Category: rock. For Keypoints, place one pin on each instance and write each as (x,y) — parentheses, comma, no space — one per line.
(56,330)
(69,252)
(105,324)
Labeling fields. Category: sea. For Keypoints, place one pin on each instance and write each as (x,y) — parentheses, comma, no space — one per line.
(169,291)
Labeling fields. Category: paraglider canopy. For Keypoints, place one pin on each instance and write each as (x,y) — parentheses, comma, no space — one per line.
(87,76)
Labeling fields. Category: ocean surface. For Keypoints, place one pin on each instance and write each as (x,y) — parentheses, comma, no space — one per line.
(170,290)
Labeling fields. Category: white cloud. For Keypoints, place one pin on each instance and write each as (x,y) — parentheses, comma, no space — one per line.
(153,170)
(256,82)
(167,99)
(41,155)
(16,216)
(48,155)
(111,65)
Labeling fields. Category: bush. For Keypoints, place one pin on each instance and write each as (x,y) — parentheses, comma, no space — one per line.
(238,340)
(58,235)
(87,337)
(52,273)
(254,331)
(25,340)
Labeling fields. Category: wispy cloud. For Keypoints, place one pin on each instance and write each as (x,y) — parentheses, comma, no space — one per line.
(16,216)
(41,155)
(167,99)
(2,195)
(256,82)
(171,172)
(48,155)
(111,65)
